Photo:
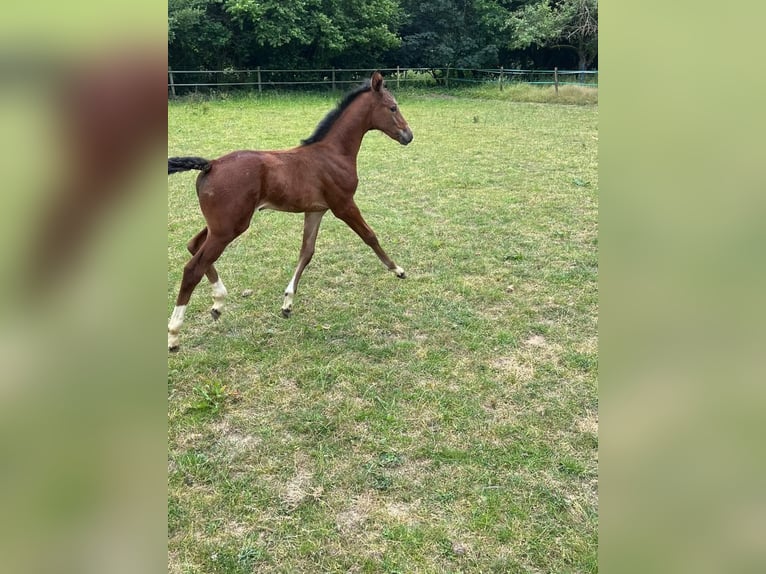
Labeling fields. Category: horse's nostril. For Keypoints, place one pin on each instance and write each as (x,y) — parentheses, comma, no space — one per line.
(406,136)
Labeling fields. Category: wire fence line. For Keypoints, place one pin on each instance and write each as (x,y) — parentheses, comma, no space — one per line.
(182,82)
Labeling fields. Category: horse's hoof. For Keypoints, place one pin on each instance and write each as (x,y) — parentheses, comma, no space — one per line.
(402,275)
(215,313)
(173,342)
(286,313)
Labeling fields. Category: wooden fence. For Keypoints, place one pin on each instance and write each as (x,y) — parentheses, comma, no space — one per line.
(185,81)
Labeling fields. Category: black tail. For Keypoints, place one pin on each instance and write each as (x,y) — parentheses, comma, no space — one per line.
(176,164)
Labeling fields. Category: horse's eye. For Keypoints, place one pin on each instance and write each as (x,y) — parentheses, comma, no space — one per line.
(393,109)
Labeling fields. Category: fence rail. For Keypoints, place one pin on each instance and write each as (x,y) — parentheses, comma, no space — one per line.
(185,81)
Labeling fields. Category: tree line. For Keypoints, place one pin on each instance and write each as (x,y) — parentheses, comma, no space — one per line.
(301,34)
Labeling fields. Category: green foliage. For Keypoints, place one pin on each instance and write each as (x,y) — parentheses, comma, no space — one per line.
(199,34)
(242,34)
(272,23)
(299,33)
(210,397)
(564,23)
(534,23)
(443,33)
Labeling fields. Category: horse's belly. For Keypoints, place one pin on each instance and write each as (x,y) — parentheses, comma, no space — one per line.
(293,200)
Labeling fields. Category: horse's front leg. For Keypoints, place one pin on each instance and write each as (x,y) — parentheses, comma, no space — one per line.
(311,223)
(350,214)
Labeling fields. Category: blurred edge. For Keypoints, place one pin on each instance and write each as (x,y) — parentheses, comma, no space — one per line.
(82,248)
(682,289)
(82,421)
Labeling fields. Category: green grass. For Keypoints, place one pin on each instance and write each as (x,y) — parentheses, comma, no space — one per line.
(567,94)
(444,423)
(575,94)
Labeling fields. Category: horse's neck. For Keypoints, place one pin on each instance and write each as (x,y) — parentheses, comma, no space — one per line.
(348,131)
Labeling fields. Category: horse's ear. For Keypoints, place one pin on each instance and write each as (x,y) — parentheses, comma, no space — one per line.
(376,82)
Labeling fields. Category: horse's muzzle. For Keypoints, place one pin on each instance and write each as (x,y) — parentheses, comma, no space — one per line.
(405,136)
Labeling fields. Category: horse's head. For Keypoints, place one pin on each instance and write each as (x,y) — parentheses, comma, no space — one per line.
(386,115)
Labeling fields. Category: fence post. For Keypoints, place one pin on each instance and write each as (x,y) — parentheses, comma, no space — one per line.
(260,87)
(446,79)
(397,78)
(333,78)
(502,73)
(172,83)
(556,78)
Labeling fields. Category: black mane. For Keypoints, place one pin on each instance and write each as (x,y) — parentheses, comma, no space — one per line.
(324,126)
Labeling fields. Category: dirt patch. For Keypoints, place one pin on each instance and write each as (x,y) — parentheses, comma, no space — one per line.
(238,445)
(535,341)
(535,351)
(588,424)
(520,369)
(354,518)
(234,445)
(401,512)
(300,488)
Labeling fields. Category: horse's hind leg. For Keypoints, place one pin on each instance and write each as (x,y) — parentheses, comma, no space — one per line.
(219,290)
(198,265)
(311,223)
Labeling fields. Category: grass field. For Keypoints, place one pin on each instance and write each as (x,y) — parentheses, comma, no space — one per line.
(447,422)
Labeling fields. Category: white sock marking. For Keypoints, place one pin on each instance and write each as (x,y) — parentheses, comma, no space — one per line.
(176,319)
(174,326)
(289,294)
(219,294)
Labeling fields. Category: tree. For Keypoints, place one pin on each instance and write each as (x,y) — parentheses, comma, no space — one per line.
(569,24)
(456,33)
(199,34)
(317,33)
(303,34)
(372,29)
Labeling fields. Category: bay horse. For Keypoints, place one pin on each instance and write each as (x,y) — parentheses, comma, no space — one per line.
(317,176)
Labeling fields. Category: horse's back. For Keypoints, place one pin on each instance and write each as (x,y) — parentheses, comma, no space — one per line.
(285,180)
